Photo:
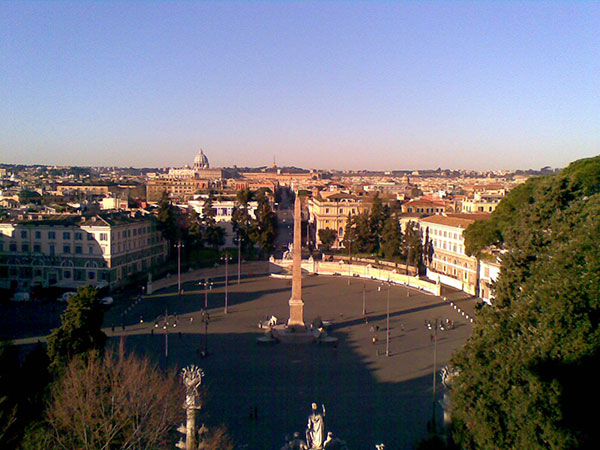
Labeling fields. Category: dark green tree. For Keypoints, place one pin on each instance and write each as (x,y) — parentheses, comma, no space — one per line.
(265,229)
(242,221)
(167,218)
(534,353)
(413,246)
(9,382)
(80,330)
(327,236)
(350,238)
(23,385)
(364,239)
(378,215)
(195,230)
(213,234)
(391,238)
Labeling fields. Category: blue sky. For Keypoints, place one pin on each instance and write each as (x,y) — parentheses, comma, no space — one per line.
(348,85)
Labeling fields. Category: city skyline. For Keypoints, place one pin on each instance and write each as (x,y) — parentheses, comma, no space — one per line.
(353,85)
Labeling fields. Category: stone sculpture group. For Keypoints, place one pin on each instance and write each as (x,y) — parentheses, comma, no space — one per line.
(315,435)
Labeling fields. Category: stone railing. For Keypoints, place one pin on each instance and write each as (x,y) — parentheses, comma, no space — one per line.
(358,270)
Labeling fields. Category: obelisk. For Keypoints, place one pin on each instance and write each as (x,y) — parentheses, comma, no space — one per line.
(296,303)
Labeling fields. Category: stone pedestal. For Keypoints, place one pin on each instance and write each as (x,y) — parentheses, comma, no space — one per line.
(296,312)
(190,435)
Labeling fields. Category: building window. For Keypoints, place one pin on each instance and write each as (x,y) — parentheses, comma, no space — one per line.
(51,235)
(24,248)
(78,236)
(23,234)
(90,237)
(13,247)
(37,248)
(103,236)
(66,235)
(91,250)
(38,234)
(78,249)
(91,275)
(66,249)
(67,274)
(51,249)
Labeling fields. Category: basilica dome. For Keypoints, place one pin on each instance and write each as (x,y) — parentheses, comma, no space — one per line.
(201,161)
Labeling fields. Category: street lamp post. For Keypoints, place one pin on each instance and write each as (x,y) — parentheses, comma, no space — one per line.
(205,320)
(226,258)
(239,268)
(387,326)
(433,326)
(179,245)
(364,300)
(207,285)
(166,328)
(349,259)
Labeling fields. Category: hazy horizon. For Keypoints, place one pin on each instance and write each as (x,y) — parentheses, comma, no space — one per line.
(325,85)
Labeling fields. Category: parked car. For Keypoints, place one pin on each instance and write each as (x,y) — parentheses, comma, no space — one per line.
(107,301)
(65,297)
(21,297)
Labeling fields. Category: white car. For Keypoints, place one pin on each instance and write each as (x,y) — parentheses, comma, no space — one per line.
(21,297)
(66,296)
(107,301)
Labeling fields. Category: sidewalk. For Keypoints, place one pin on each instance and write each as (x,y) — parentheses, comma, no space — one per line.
(248,269)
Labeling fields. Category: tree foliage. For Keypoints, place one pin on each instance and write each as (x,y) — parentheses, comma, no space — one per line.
(241,219)
(391,238)
(80,330)
(378,215)
(414,245)
(212,234)
(534,353)
(265,228)
(327,237)
(167,218)
(23,383)
(115,401)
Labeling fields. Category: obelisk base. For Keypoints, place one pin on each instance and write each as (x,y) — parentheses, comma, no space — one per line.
(296,313)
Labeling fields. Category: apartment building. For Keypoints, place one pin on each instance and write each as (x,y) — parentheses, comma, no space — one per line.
(480,203)
(330,210)
(183,189)
(448,261)
(71,250)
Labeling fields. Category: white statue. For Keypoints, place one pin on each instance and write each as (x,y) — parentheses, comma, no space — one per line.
(192,379)
(315,429)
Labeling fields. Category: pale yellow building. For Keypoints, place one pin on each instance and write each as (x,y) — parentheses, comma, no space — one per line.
(480,203)
(330,210)
(447,261)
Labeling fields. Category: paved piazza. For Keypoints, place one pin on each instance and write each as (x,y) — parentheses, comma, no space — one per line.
(369,398)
